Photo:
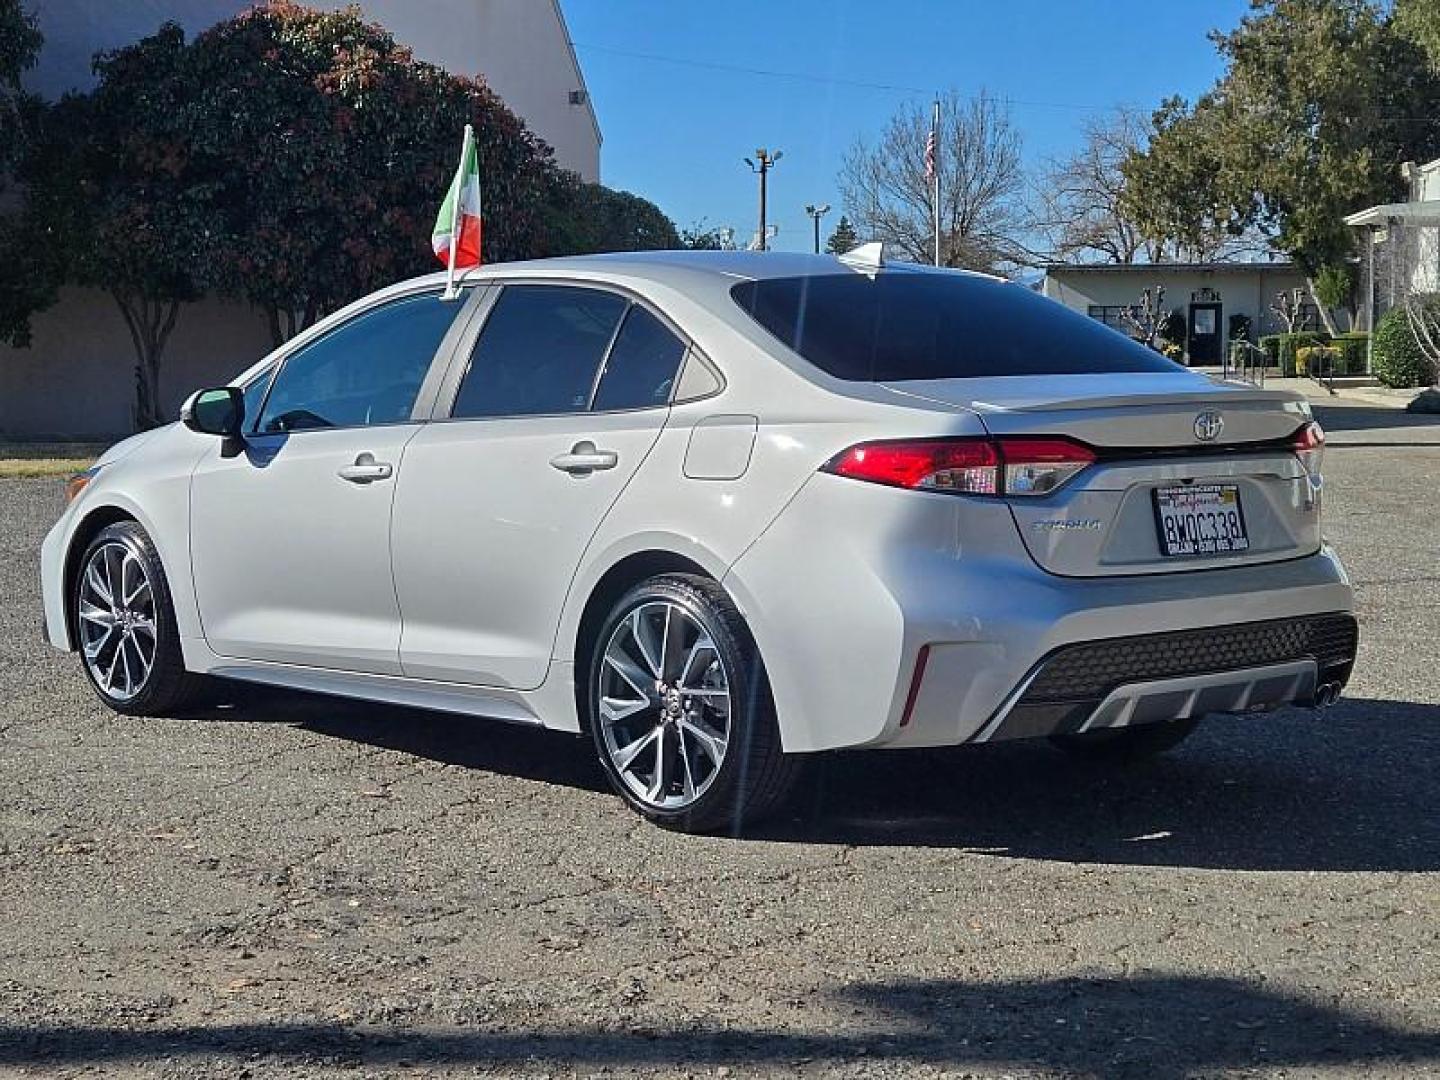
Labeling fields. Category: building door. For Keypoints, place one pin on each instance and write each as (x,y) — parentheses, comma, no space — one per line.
(1203,339)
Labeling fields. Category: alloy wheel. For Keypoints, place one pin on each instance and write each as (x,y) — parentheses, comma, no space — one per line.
(116,616)
(664,705)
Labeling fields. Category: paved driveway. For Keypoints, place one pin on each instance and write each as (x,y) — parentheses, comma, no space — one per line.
(293,886)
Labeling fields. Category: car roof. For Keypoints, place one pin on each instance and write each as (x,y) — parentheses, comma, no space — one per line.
(684,267)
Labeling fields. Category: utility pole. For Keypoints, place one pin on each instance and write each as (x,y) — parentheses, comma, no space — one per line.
(767,162)
(816,213)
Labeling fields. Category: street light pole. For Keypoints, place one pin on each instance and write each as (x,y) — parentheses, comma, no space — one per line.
(816,213)
(767,162)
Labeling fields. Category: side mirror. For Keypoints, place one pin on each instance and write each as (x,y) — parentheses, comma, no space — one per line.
(215,412)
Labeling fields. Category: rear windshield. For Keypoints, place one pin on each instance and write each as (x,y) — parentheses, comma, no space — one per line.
(906,325)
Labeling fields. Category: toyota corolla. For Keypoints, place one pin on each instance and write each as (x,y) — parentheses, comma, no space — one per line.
(718,512)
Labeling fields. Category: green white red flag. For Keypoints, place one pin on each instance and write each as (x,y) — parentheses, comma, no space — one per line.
(458,229)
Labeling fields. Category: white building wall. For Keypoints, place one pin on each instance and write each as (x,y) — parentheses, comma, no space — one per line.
(1248,292)
(78,377)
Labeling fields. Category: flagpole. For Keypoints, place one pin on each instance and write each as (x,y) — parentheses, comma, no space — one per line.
(935,127)
(455,211)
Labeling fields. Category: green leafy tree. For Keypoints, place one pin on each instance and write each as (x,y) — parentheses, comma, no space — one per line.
(702,237)
(331,147)
(590,218)
(1419,20)
(1320,101)
(843,239)
(120,201)
(19,46)
(24,287)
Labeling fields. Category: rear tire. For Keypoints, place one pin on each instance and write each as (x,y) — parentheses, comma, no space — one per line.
(1124,745)
(125,624)
(680,709)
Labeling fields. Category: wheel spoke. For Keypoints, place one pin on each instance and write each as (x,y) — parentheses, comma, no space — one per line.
(93,649)
(625,756)
(657,778)
(97,583)
(630,671)
(702,645)
(97,615)
(140,661)
(616,709)
(688,774)
(672,644)
(711,743)
(647,649)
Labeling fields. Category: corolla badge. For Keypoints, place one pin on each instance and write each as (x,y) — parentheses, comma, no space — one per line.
(1208,426)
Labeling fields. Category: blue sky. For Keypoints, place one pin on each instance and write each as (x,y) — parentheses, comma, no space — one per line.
(676,130)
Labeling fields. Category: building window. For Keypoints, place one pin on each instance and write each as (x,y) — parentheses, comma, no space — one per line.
(1113,315)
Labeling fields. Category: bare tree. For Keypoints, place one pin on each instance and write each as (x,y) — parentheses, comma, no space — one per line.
(1289,308)
(1082,210)
(1147,319)
(888,196)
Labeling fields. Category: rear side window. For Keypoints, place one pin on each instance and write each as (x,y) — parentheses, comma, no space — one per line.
(366,371)
(641,368)
(539,352)
(903,325)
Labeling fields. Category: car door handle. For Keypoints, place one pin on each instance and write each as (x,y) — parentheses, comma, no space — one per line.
(584,459)
(366,470)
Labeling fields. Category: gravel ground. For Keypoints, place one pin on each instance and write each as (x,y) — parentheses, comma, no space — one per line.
(294,886)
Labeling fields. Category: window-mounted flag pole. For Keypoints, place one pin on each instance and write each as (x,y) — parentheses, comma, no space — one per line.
(459,228)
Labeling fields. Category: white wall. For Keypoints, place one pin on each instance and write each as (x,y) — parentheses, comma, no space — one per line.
(78,377)
(523,50)
(1248,292)
(521,47)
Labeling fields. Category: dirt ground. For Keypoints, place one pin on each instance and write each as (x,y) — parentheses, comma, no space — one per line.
(294,886)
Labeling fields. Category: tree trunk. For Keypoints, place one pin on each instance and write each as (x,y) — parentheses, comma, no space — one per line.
(1327,317)
(150,321)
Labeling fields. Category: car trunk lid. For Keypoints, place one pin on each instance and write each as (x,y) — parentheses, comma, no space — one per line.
(1152,433)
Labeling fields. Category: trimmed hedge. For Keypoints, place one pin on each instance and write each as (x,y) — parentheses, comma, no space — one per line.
(1281,348)
(1399,360)
(1354,352)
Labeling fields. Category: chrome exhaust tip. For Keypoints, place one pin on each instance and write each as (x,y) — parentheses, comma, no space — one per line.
(1326,694)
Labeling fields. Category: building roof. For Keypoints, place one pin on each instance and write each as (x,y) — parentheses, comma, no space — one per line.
(1170,268)
(1426,212)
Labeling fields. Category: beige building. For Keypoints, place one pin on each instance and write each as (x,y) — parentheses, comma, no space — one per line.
(1208,296)
(77,379)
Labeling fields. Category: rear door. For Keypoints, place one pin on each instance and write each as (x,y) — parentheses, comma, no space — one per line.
(1176,451)
(564,394)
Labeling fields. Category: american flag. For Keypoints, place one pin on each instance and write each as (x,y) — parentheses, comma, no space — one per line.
(930,156)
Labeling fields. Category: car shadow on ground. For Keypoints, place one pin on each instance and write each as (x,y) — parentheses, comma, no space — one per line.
(1163,1027)
(1349,789)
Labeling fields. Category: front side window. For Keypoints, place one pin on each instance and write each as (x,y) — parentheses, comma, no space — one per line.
(539,351)
(901,325)
(641,368)
(254,395)
(366,371)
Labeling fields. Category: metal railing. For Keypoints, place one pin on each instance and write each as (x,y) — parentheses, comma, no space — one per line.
(1246,362)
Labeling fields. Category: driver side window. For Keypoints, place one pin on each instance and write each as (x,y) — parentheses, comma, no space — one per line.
(365,372)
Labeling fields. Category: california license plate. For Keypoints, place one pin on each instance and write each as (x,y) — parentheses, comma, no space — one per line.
(1200,519)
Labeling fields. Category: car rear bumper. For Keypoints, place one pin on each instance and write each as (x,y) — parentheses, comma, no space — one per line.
(1148,678)
(890,618)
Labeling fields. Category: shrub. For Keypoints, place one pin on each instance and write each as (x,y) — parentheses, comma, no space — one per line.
(1399,361)
(1354,350)
(1311,360)
(1281,348)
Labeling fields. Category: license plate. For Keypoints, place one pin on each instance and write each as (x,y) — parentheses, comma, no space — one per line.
(1200,519)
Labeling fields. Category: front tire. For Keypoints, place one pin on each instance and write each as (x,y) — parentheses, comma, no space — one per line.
(125,622)
(1125,745)
(680,709)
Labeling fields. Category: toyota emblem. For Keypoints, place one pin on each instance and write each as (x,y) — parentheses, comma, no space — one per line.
(1208,426)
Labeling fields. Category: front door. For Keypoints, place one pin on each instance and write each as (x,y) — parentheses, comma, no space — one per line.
(565,394)
(290,536)
(1203,342)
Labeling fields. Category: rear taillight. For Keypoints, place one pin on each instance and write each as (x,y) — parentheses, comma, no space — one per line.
(967,466)
(1309,445)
